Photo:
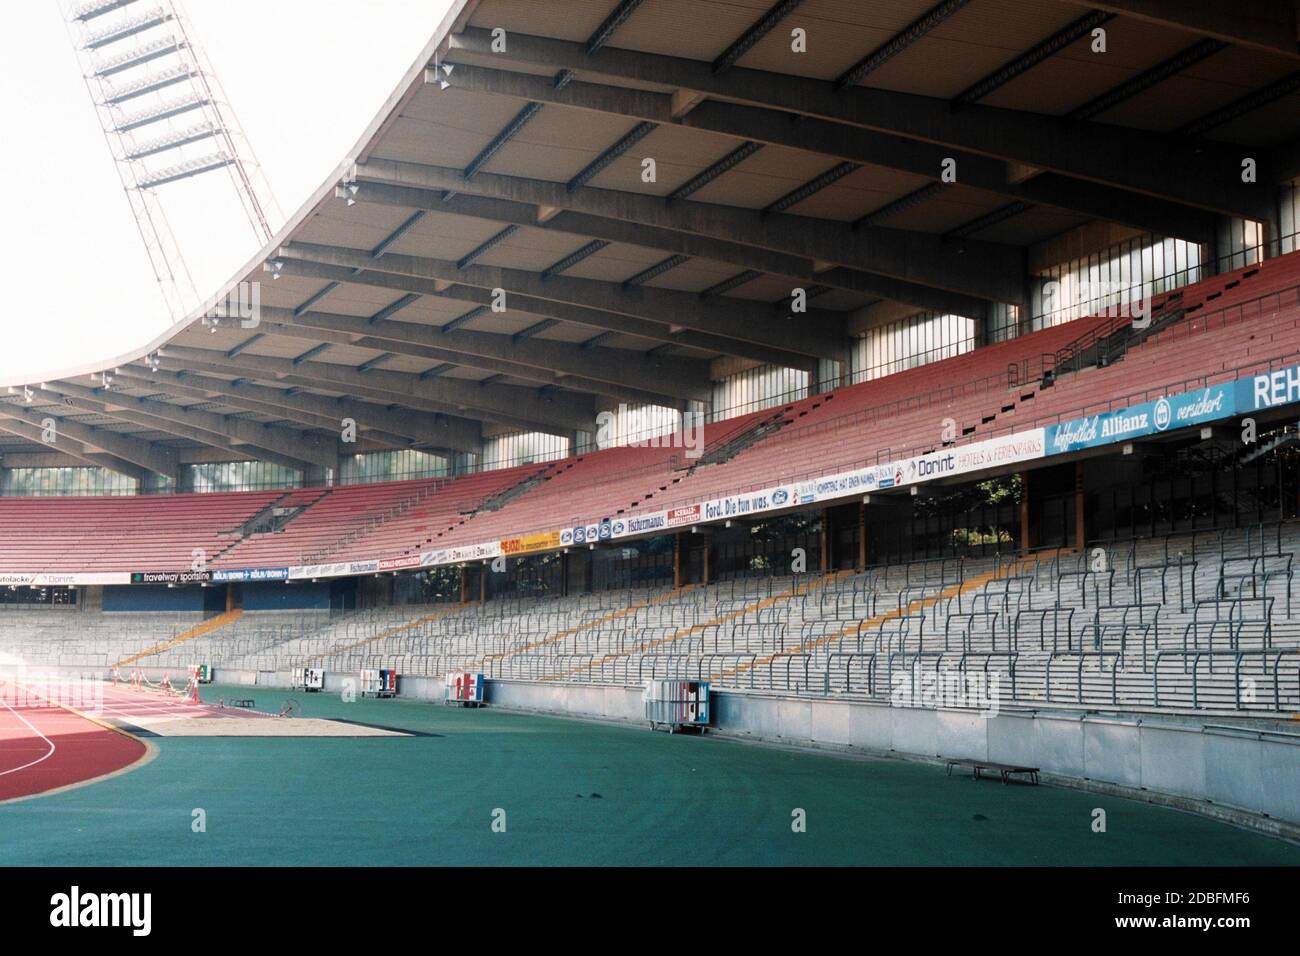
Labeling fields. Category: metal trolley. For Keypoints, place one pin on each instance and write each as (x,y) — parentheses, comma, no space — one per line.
(378,683)
(310,679)
(465,688)
(677,704)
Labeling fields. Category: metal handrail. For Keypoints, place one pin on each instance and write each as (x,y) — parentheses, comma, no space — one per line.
(1081,657)
(1237,657)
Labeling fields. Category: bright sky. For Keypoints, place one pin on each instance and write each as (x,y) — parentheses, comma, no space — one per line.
(304,77)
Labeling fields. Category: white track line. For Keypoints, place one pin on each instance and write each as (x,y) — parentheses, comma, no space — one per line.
(48,754)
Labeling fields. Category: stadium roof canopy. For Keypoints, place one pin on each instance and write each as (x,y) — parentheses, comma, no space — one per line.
(514,156)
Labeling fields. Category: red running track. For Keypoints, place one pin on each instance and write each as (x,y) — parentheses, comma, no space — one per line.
(45,747)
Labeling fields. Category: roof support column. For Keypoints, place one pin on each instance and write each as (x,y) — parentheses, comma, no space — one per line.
(1080,522)
(862,536)
(1026,536)
(1271,229)
(318,475)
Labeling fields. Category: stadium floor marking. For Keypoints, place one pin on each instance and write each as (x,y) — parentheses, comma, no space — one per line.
(46,756)
(81,748)
(149,714)
(70,762)
(297,727)
(126,704)
(120,707)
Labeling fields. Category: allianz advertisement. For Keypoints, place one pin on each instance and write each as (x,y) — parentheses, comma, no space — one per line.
(1167,413)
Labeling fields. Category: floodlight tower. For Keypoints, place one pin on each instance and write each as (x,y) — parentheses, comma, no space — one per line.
(166,119)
